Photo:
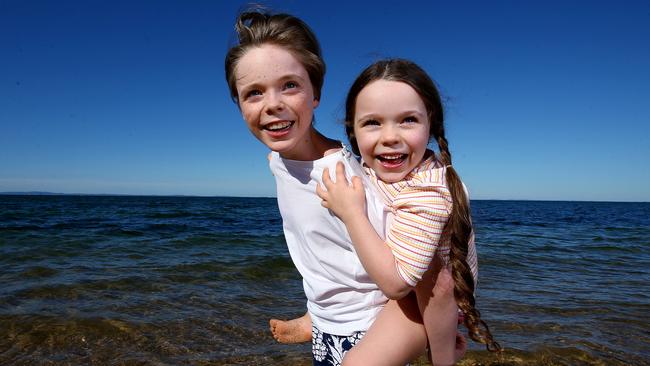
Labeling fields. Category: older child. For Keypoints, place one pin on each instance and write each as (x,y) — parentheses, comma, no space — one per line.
(275,75)
(393,109)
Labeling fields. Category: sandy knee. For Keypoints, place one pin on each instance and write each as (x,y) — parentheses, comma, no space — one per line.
(444,284)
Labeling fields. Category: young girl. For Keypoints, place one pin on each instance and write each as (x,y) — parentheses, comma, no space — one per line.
(275,75)
(393,109)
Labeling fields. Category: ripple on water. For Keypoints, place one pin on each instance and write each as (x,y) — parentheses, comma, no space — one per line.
(39,272)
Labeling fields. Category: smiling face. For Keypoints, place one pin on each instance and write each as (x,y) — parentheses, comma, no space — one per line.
(276,99)
(391,127)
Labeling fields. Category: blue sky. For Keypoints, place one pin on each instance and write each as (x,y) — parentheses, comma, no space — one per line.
(544,100)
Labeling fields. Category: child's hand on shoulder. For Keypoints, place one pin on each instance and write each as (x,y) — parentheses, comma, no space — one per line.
(346,200)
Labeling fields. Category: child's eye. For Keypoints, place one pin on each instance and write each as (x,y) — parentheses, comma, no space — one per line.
(370,122)
(410,119)
(290,85)
(253,93)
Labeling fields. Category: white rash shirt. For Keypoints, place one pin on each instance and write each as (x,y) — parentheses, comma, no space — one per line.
(341,297)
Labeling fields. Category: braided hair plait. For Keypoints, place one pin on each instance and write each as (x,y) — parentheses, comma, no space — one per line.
(459,227)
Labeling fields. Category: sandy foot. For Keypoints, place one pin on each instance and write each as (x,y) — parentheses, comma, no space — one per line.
(292,331)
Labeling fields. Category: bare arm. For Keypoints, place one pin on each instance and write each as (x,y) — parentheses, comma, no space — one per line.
(348,203)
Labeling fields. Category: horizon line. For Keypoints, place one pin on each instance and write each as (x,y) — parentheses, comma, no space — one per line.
(45,193)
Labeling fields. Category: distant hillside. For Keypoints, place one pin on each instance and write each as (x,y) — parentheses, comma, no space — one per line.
(33,193)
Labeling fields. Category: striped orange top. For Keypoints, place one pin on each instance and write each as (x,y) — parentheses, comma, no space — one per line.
(421,204)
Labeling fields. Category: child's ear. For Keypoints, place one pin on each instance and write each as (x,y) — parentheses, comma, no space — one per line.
(316,103)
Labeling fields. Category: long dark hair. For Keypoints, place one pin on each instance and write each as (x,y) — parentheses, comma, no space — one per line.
(459,225)
(257,28)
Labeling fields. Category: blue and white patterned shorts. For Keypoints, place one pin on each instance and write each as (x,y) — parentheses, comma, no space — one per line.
(329,349)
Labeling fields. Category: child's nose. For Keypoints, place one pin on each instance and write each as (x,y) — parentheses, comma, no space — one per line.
(273,102)
(389,135)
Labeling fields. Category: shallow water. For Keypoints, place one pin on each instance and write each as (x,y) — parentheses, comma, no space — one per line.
(186,280)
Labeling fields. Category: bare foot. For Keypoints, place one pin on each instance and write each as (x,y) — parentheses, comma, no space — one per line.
(292,331)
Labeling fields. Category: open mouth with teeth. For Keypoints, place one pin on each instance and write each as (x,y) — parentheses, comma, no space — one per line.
(391,160)
(279,126)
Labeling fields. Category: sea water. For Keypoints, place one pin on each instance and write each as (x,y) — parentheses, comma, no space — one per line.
(112,280)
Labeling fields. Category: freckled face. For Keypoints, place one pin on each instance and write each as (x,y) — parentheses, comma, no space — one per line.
(392,128)
(276,99)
